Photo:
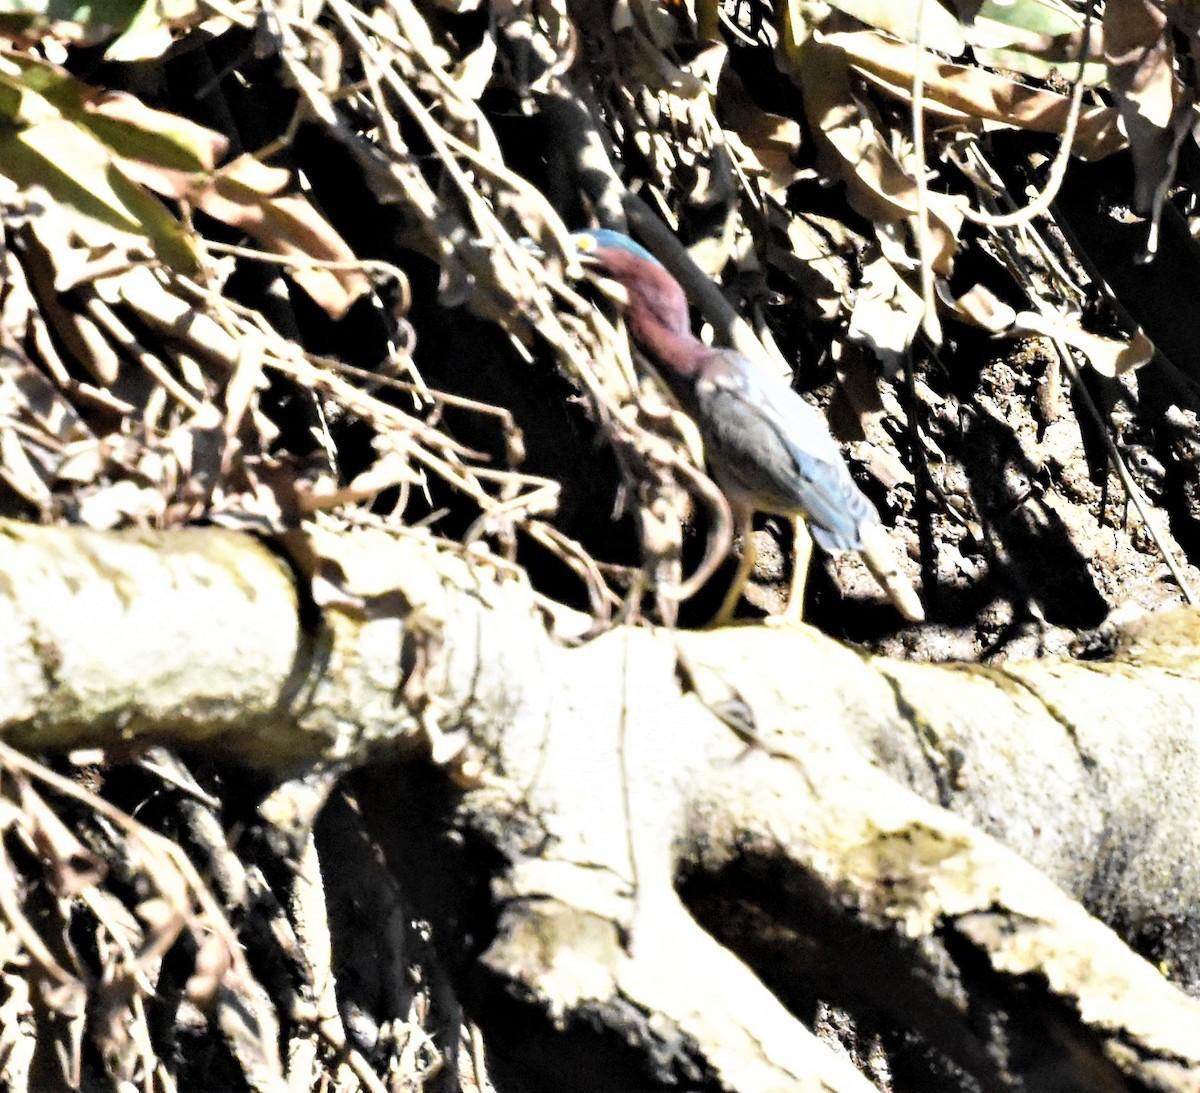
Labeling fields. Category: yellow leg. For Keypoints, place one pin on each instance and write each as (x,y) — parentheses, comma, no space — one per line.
(802,545)
(745,532)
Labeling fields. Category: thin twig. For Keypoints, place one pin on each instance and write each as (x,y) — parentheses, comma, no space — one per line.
(106,318)
(1040,205)
(929,320)
(304,261)
(1132,489)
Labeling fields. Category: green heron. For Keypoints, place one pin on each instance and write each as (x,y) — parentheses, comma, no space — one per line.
(767,449)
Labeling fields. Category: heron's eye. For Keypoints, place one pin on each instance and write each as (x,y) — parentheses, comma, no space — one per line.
(585,243)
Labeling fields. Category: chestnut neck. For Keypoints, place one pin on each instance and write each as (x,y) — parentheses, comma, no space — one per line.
(657,313)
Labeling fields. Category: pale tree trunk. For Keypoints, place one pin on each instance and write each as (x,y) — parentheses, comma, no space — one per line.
(693,840)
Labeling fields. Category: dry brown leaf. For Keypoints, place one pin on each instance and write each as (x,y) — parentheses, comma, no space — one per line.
(72,866)
(972,94)
(771,139)
(160,150)
(980,307)
(861,409)
(473,74)
(51,424)
(883,462)
(259,495)
(858,149)
(1108,356)
(44,405)
(251,196)
(886,315)
(654,20)
(212,964)
(241,391)
(149,293)
(1153,103)
(48,257)
(392,468)
(18,470)
(817,256)
(197,448)
(83,462)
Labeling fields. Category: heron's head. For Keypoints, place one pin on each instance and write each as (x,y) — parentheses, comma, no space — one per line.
(654,298)
(610,249)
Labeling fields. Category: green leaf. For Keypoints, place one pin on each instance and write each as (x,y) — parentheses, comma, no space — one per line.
(940,29)
(78,22)
(88,150)
(77,171)
(1031,17)
(121,122)
(1033,37)
(1039,68)
(148,33)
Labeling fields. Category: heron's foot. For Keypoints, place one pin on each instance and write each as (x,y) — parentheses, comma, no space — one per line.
(793,614)
(785,620)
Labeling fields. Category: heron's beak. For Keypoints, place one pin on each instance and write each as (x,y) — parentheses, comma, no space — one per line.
(567,254)
(528,243)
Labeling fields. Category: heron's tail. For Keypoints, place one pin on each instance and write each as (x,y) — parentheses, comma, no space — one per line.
(880,556)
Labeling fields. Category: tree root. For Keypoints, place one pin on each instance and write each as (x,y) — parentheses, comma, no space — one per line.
(915,843)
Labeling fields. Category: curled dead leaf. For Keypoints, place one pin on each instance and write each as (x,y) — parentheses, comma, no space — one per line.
(213,963)
(979,307)
(1108,356)
(1157,110)
(969,93)
(252,196)
(886,314)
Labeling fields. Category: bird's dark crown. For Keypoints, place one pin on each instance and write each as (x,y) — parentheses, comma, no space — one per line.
(596,239)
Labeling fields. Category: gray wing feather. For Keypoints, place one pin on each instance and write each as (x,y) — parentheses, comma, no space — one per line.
(771,451)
